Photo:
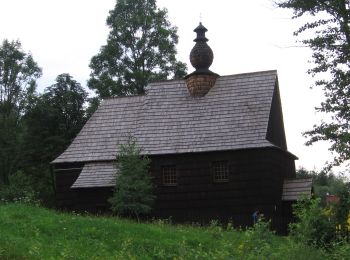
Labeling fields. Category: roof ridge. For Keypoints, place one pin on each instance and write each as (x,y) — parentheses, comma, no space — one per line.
(221,76)
(120,97)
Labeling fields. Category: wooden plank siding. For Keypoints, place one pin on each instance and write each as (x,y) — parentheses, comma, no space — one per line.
(92,199)
(255,181)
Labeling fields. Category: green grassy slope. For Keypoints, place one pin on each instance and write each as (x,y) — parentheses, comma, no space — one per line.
(36,233)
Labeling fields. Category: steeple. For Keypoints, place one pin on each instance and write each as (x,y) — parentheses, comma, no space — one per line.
(202,79)
(201,55)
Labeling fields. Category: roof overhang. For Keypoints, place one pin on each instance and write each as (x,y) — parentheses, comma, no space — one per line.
(96,175)
(295,189)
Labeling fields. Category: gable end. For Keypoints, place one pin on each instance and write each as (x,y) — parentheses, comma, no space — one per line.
(275,130)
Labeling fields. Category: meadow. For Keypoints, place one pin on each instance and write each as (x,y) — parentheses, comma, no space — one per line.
(29,232)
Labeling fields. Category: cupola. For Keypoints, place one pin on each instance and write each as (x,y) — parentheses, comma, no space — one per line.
(202,79)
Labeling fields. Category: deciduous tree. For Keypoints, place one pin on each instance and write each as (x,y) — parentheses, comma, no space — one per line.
(50,126)
(140,48)
(18,73)
(328,36)
(55,120)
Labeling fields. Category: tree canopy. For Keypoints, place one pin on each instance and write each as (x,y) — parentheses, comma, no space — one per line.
(18,73)
(329,40)
(55,119)
(49,126)
(140,48)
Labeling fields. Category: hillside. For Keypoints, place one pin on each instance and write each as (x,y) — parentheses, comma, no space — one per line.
(37,233)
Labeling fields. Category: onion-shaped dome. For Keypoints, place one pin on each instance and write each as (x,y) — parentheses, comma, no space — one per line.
(201,55)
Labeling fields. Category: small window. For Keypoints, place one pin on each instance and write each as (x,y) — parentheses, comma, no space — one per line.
(169,175)
(220,171)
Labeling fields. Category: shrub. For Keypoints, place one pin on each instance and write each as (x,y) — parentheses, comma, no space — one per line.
(340,250)
(314,226)
(341,210)
(20,189)
(133,192)
(257,241)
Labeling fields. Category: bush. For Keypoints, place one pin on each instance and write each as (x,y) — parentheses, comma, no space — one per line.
(257,241)
(340,250)
(19,190)
(314,226)
(133,192)
(341,210)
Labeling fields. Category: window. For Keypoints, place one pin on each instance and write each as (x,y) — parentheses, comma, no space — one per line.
(169,175)
(220,171)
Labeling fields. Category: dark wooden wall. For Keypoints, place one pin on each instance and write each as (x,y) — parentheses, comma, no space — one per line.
(85,199)
(275,131)
(255,182)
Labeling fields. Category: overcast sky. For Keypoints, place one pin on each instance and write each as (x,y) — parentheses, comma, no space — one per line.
(245,36)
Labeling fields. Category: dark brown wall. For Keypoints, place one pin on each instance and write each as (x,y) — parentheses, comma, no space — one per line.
(87,199)
(275,130)
(255,181)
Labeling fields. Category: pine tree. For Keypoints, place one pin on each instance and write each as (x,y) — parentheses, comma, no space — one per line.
(133,192)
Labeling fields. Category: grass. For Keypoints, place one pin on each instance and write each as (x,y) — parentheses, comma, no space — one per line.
(28,232)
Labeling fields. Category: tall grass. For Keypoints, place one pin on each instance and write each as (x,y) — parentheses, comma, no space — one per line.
(35,233)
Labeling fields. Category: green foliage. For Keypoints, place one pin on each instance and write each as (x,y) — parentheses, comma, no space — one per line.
(342,210)
(257,241)
(314,226)
(34,129)
(328,36)
(55,119)
(320,223)
(18,72)
(324,183)
(94,102)
(340,250)
(50,125)
(133,193)
(20,189)
(37,233)
(140,48)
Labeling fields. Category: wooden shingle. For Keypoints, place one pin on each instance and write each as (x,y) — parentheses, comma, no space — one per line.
(294,189)
(97,174)
(233,115)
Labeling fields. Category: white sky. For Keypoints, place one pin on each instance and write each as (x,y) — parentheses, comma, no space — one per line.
(245,36)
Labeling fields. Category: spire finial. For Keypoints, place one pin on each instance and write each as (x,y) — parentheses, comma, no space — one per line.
(201,55)
(202,79)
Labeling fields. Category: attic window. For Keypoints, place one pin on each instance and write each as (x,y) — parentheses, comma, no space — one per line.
(220,171)
(169,175)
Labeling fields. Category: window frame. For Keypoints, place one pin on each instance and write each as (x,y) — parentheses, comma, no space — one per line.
(172,175)
(220,171)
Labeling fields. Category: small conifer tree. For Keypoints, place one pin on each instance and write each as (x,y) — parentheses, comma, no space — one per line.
(133,192)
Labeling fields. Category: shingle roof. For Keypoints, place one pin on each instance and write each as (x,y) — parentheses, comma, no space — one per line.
(234,114)
(97,174)
(294,189)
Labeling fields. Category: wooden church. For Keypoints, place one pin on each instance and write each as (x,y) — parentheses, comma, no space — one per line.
(217,146)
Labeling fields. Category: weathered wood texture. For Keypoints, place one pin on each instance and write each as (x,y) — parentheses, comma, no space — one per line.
(90,199)
(255,182)
(233,115)
(275,131)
